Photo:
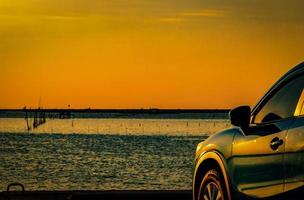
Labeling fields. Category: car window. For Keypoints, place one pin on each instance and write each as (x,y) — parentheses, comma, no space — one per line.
(300,105)
(283,103)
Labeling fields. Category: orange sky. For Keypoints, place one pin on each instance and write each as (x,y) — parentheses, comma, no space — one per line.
(144,53)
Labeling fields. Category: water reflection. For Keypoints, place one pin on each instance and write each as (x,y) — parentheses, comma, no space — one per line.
(119,126)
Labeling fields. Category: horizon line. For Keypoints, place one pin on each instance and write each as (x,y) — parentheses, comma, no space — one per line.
(117,109)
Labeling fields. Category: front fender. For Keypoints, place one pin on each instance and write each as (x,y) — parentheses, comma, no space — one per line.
(220,160)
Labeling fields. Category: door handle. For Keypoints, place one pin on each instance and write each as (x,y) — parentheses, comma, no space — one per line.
(275,143)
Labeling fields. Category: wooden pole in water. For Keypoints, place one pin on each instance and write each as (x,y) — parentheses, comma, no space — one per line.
(35,124)
(26,119)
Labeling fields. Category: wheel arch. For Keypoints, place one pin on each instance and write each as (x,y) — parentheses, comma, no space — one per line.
(205,162)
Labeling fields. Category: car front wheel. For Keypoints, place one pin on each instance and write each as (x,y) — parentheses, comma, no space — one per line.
(211,187)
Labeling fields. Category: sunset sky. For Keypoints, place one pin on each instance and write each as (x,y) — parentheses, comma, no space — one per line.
(145,53)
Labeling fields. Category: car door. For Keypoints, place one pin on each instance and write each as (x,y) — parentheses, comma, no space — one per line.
(294,156)
(258,157)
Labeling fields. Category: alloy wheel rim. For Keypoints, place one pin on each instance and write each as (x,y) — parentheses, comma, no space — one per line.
(212,192)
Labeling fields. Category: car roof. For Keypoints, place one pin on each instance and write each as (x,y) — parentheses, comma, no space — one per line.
(298,68)
(290,74)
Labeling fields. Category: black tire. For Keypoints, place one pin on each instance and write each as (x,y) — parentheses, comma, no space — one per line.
(212,187)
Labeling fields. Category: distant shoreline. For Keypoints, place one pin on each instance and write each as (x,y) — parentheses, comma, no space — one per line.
(121,113)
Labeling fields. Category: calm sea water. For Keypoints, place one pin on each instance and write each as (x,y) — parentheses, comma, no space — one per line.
(102,154)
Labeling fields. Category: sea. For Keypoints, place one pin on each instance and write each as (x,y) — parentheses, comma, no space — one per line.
(102,154)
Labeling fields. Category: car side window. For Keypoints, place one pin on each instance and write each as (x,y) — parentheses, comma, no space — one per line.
(283,103)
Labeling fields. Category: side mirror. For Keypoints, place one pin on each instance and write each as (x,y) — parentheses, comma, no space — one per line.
(240,116)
